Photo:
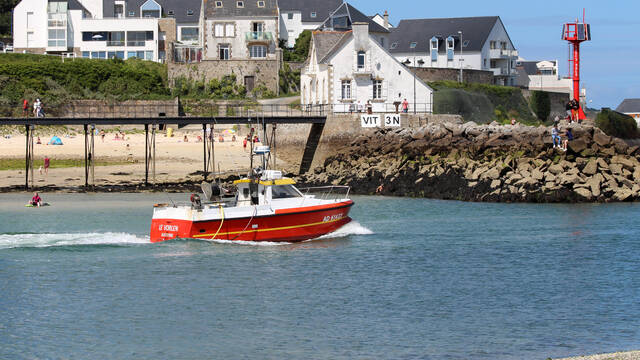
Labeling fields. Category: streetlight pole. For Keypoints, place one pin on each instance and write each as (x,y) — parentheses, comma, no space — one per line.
(461,78)
(414,80)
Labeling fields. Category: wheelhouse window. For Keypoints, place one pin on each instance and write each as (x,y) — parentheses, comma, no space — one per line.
(361,59)
(377,89)
(284,192)
(258,51)
(346,89)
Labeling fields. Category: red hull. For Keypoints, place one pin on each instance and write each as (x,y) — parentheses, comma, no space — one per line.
(290,225)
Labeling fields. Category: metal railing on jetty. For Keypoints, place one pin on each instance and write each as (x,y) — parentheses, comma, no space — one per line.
(197,110)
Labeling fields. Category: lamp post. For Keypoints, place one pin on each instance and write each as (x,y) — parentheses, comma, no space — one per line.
(461,78)
(413,46)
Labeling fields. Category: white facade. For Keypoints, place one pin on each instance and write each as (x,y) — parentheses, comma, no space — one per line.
(291,26)
(545,78)
(497,55)
(358,71)
(241,38)
(46,26)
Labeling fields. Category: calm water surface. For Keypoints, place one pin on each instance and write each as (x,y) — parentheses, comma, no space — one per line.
(412,279)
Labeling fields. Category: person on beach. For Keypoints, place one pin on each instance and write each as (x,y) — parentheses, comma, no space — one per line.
(244,144)
(47,162)
(38,141)
(513,122)
(25,107)
(37,108)
(102,134)
(555,135)
(36,200)
(565,142)
(405,106)
(117,137)
(186,139)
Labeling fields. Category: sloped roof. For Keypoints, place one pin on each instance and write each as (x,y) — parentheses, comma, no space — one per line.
(179,8)
(530,67)
(230,9)
(76,5)
(326,41)
(354,15)
(629,106)
(322,8)
(475,30)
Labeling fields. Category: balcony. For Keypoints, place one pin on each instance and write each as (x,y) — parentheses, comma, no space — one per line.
(502,53)
(115,43)
(362,71)
(139,43)
(253,36)
(57,23)
(503,71)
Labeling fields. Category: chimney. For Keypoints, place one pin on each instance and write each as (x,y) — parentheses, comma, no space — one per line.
(361,34)
(386,20)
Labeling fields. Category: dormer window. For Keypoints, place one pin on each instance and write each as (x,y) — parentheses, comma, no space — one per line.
(450,48)
(189,12)
(314,15)
(240,4)
(434,48)
(132,13)
(218,4)
(394,45)
(413,45)
(170,13)
(260,4)
(150,9)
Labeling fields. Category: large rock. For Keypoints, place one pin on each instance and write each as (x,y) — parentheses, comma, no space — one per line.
(591,168)
(584,193)
(623,194)
(594,183)
(537,174)
(601,138)
(616,169)
(578,145)
(625,162)
(556,169)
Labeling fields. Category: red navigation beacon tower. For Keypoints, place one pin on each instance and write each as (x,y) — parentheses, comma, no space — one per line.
(575,33)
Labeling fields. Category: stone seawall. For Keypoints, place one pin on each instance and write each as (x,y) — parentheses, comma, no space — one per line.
(486,163)
(440,74)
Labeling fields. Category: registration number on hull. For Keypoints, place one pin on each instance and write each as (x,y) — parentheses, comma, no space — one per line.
(330,218)
(173,228)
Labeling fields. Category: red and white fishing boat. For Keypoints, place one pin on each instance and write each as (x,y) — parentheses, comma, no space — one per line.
(265,207)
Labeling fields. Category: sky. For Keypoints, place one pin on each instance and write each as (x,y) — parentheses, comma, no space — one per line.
(610,62)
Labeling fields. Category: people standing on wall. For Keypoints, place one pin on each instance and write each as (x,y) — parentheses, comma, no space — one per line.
(405,106)
(25,107)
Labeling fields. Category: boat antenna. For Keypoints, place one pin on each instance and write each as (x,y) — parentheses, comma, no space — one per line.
(169,197)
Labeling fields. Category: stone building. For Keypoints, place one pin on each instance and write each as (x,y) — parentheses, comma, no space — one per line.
(240,38)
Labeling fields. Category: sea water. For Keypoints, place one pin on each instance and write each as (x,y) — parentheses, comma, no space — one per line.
(408,279)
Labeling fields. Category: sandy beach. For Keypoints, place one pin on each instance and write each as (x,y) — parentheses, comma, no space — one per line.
(175,159)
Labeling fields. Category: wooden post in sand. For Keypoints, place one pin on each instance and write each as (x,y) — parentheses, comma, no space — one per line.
(146,154)
(86,158)
(204,150)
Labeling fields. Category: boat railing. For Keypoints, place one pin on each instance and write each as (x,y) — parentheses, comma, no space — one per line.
(332,192)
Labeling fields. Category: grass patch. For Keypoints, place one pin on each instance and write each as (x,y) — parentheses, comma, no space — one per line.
(19,164)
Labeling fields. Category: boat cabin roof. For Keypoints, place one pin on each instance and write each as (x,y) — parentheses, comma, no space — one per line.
(283,181)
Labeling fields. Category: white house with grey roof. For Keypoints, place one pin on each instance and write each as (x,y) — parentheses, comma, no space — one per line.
(106,28)
(350,68)
(342,19)
(299,15)
(480,43)
(542,76)
(630,107)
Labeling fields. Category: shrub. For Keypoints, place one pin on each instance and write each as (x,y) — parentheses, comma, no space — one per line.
(541,104)
(617,124)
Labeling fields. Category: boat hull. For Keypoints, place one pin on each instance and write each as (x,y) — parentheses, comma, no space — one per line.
(286,225)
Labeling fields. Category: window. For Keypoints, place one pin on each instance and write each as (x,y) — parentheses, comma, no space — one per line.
(492,44)
(224,52)
(465,43)
(450,48)
(218,30)
(189,12)
(394,45)
(94,36)
(85,54)
(132,13)
(361,60)
(229,30)
(284,192)
(138,38)
(189,34)
(115,38)
(148,55)
(340,22)
(57,7)
(258,51)
(261,4)
(150,9)
(218,4)
(314,15)
(413,45)
(118,10)
(290,16)
(382,41)
(258,27)
(434,49)
(170,13)
(240,4)
(346,89)
(131,54)
(377,89)
(57,37)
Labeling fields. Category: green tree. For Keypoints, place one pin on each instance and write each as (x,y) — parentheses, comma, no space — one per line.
(616,124)
(301,48)
(541,104)
(6,6)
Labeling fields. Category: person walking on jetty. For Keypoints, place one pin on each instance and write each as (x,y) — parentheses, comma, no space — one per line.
(25,108)
(555,135)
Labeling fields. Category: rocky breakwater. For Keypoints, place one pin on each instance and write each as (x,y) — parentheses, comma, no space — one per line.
(492,163)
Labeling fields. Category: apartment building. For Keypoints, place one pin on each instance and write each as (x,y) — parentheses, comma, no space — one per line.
(480,43)
(105,29)
(542,76)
